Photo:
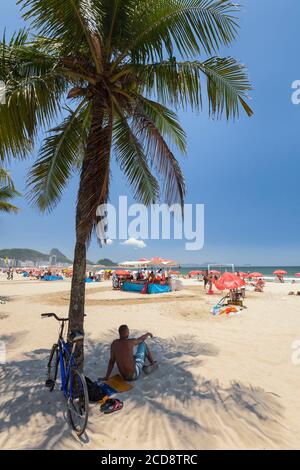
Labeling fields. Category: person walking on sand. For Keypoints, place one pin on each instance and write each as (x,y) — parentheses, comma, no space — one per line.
(205,279)
(130,363)
(209,281)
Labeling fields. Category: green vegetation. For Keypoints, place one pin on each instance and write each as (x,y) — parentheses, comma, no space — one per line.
(26,254)
(106,262)
(7,192)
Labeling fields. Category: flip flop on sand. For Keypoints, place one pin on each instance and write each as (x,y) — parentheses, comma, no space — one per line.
(111,405)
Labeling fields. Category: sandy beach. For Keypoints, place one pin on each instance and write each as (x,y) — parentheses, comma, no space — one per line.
(222,383)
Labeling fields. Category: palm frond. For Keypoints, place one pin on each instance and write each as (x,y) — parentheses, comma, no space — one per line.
(29,104)
(166,122)
(161,158)
(61,153)
(8,207)
(24,57)
(133,162)
(227,86)
(116,27)
(6,178)
(7,193)
(33,92)
(77,23)
(179,84)
(188,26)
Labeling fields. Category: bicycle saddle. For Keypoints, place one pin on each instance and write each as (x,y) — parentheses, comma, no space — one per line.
(76,336)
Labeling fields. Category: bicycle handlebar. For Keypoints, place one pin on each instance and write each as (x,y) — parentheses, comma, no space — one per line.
(45,315)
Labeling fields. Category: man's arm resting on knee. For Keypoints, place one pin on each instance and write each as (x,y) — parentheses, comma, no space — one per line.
(142,338)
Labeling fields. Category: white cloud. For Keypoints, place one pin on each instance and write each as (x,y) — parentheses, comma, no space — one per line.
(134,243)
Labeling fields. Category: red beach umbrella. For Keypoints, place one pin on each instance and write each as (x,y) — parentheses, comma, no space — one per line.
(214,272)
(229,281)
(256,275)
(195,273)
(297,274)
(243,274)
(121,272)
(280,272)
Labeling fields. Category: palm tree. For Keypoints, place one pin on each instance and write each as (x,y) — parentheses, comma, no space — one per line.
(124,66)
(7,192)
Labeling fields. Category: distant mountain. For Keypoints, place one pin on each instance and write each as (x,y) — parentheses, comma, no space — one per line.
(88,261)
(26,254)
(196,265)
(106,262)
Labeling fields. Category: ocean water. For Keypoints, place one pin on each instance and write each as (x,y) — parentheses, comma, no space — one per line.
(265,270)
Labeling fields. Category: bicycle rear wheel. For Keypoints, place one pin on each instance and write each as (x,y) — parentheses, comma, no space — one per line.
(78,402)
(52,368)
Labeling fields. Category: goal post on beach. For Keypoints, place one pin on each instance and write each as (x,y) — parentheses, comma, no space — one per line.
(222,268)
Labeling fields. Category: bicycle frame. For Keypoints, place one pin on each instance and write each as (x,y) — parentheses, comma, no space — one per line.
(66,373)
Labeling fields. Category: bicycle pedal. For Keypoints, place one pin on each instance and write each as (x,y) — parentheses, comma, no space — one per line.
(49,383)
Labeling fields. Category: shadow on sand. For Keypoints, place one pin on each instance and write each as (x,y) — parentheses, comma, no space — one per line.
(193,412)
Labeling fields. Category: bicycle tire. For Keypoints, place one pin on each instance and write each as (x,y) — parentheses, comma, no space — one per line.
(52,367)
(77,384)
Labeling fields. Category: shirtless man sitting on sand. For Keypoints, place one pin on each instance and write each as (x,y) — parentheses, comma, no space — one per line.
(130,363)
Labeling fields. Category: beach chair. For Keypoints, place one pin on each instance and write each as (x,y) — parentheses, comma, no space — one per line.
(236,297)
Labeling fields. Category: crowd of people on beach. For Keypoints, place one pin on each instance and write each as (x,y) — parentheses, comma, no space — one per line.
(30,273)
(144,275)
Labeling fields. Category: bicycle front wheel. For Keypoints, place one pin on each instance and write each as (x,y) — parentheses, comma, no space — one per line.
(52,367)
(78,402)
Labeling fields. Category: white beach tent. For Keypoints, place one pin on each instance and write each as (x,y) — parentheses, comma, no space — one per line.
(144,262)
(141,263)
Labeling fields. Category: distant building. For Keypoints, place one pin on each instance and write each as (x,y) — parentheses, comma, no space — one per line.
(52,260)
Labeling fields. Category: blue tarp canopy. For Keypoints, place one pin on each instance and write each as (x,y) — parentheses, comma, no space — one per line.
(158,289)
(132,287)
(52,278)
(152,288)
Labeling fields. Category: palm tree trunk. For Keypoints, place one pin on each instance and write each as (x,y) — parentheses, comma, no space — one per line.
(77,300)
(92,189)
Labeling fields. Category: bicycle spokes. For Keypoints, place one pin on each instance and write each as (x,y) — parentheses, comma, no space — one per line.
(77,402)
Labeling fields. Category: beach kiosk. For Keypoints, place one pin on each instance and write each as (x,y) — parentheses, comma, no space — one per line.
(149,282)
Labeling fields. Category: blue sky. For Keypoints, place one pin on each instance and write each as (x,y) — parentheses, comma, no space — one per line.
(246,173)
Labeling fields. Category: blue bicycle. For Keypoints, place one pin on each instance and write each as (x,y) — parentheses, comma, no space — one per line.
(73,382)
